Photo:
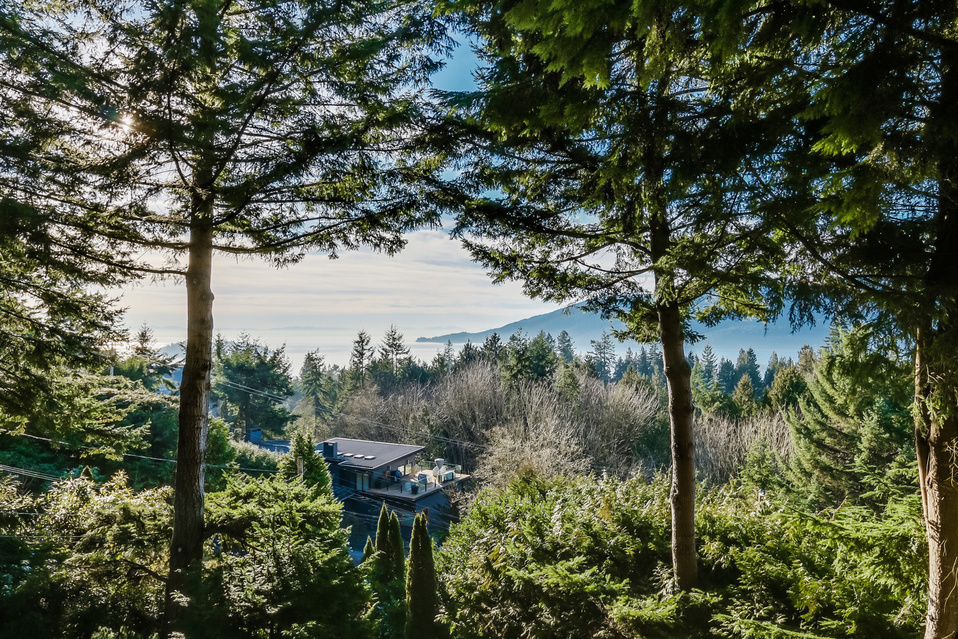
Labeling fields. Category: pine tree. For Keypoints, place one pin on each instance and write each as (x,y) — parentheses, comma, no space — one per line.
(726,376)
(747,365)
(605,140)
(394,349)
(788,388)
(708,366)
(602,358)
(422,601)
(493,348)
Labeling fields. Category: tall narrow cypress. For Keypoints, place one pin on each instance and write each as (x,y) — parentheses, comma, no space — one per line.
(382,529)
(421,598)
(368,550)
(396,558)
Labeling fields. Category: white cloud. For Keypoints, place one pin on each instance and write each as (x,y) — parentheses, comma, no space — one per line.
(430,288)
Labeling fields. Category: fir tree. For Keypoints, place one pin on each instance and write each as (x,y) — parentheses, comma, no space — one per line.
(604,140)
(315,472)
(565,347)
(314,384)
(360,358)
(747,365)
(602,358)
(743,398)
(726,376)
(852,429)
(271,128)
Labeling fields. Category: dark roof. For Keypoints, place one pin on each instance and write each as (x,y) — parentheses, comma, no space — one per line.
(356,452)
(275,445)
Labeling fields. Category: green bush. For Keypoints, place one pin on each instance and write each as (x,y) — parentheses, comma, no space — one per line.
(590,557)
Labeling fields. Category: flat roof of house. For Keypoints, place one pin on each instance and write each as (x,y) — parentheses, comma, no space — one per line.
(367,454)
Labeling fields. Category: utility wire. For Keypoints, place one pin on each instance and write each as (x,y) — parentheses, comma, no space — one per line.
(28,473)
(251,391)
(156,459)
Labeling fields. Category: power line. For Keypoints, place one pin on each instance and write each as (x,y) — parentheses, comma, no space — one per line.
(146,457)
(13,470)
(251,391)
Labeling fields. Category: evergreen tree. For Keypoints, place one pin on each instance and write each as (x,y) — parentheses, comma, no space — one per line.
(313,382)
(270,128)
(253,382)
(368,550)
(315,473)
(493,347)
(360,359)
(604,139)
(788,388)
(706,390)
(397,552)
(527,359)
(422,600)
(382,530)
(51,320)
(146,364)
(643,365)
(284,551)
(807,360)
(394,349)
(565,347)
(775,364)
(852,429)
(865,179)
(743,398)
(602,358)
(387,577)
(747,365)
(726,376)
(708,366)
(470,353)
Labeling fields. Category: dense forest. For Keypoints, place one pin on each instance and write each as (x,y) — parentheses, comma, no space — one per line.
(661,163)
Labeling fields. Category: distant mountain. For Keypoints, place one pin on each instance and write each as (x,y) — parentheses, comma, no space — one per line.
(174,350)
(581,326)
(726,339)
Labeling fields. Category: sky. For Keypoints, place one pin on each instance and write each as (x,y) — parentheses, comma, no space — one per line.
(431,288)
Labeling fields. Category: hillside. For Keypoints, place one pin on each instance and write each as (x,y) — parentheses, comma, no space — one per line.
(726,338)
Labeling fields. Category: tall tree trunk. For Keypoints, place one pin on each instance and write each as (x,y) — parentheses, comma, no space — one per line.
(936,373)
(678,375)
(937,446)
(186,549)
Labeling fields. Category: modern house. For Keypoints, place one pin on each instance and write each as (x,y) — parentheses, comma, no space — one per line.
(367,474)
(390,473)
